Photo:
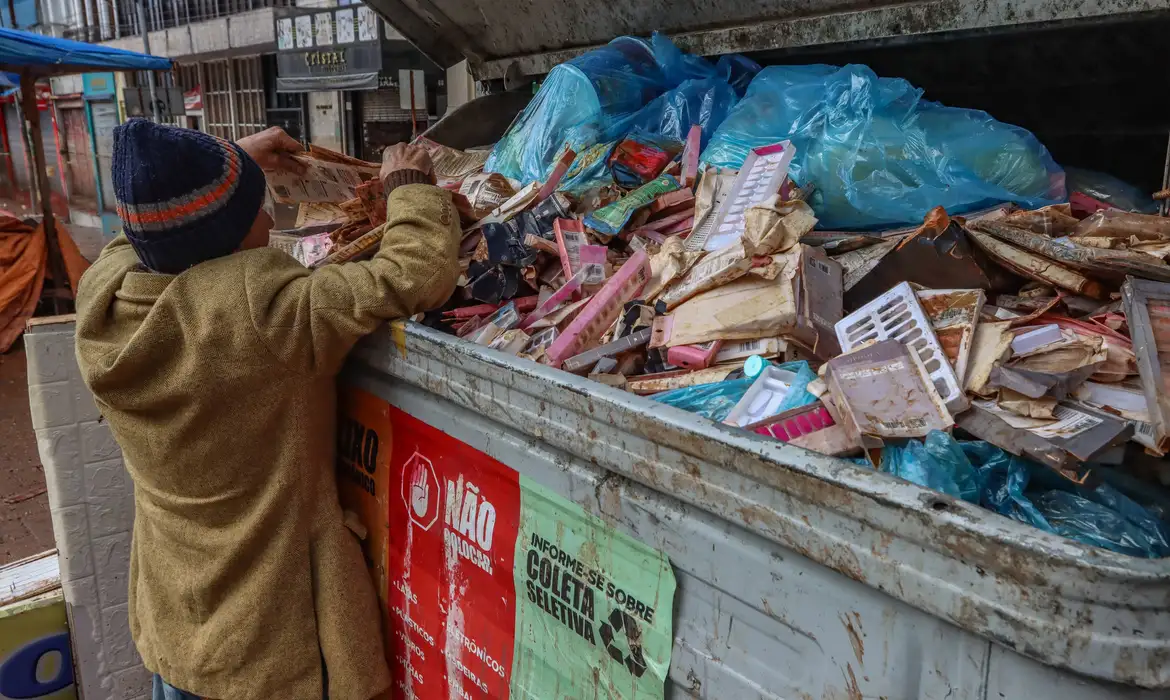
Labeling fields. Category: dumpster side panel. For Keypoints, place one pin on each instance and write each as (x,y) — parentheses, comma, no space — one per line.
(754,619)
(1054,600)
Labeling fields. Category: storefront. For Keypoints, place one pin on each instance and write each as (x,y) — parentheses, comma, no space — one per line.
(352,64)
(101,108)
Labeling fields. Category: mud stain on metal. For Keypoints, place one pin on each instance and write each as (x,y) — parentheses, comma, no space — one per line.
(851,685)
(854,630)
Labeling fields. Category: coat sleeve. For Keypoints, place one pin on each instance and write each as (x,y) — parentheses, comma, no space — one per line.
(310,319)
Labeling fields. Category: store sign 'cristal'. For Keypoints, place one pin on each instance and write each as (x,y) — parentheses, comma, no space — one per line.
(325,58)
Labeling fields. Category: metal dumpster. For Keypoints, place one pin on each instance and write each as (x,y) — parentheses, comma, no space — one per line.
(798,576)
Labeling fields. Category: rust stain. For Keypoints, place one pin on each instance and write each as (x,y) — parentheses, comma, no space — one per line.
(882,547)
(855,635)
(851,685)
(843,560)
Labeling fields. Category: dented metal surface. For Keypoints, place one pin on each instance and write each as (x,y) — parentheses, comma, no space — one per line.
(772,543)
(495,35)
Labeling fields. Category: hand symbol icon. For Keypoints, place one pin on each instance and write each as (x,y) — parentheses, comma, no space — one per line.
(420,491)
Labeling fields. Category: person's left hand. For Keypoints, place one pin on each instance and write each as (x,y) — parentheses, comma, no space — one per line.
(273,149)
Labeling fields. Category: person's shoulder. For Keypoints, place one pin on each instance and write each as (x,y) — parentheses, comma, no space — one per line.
(246,262)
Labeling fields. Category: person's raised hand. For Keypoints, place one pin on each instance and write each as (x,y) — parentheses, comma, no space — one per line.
(403,156)
(273,149)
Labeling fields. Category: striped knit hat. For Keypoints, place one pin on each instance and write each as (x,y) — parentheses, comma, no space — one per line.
(184,196)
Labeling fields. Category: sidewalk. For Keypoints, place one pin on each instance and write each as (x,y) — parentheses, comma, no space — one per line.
(25,527)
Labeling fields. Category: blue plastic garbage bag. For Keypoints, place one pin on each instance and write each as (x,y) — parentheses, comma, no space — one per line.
(1109,189)
(938,463)
(1022,490)
(1004,478)
(738,70)
(880,155)
(704,102)
(586,101)
(679,66)
(712,401)
(598,97)
(1107,519)
(716,400)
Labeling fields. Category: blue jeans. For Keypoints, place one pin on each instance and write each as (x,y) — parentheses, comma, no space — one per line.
(164,691)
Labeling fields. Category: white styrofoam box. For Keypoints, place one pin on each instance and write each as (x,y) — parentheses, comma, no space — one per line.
(898,315)
(91,502)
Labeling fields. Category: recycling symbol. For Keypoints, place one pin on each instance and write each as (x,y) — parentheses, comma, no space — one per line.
(620,621)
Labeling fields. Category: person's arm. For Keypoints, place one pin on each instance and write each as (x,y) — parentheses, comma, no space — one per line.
(311,319)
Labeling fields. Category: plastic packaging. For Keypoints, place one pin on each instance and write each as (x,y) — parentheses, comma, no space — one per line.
(716,400)
(981,473)
(591,102)
(1126,528)
(640,157)
(776,390)
(938,463)
(584,102)
(1111,190)
(879,155)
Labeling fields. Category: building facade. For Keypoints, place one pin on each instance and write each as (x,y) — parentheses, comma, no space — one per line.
(329,72)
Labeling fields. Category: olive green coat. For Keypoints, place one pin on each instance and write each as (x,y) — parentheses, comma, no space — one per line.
(218,384)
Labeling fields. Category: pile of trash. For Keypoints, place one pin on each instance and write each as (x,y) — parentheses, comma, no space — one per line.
(1003,349)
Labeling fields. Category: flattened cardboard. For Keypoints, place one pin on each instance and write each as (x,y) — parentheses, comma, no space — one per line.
(748,308)
(1079,435)
(819,294)
(1110,265)
(954,314)
(1037,267)
(938,256)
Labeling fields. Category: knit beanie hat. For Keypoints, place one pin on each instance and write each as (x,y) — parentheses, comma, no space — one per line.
(183,196)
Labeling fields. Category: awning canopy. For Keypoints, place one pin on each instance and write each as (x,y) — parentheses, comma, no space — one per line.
(43,56)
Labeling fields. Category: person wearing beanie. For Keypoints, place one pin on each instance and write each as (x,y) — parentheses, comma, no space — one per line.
(213,358)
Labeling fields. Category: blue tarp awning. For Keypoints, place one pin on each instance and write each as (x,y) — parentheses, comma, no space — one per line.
(46,55)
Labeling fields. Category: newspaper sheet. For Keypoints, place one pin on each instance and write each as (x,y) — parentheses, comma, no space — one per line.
(324,181)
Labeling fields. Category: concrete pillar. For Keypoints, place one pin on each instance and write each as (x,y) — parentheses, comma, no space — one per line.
(460,86)
(91,502)
(325,115)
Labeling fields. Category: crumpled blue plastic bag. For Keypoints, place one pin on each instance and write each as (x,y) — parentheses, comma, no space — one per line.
(716,400)
(1004,478)
(598,97)
(713,401)
(1106,519)
(704,102)
(938,463)
(878,154)
(979,472)
(588,100)
(1109,189)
